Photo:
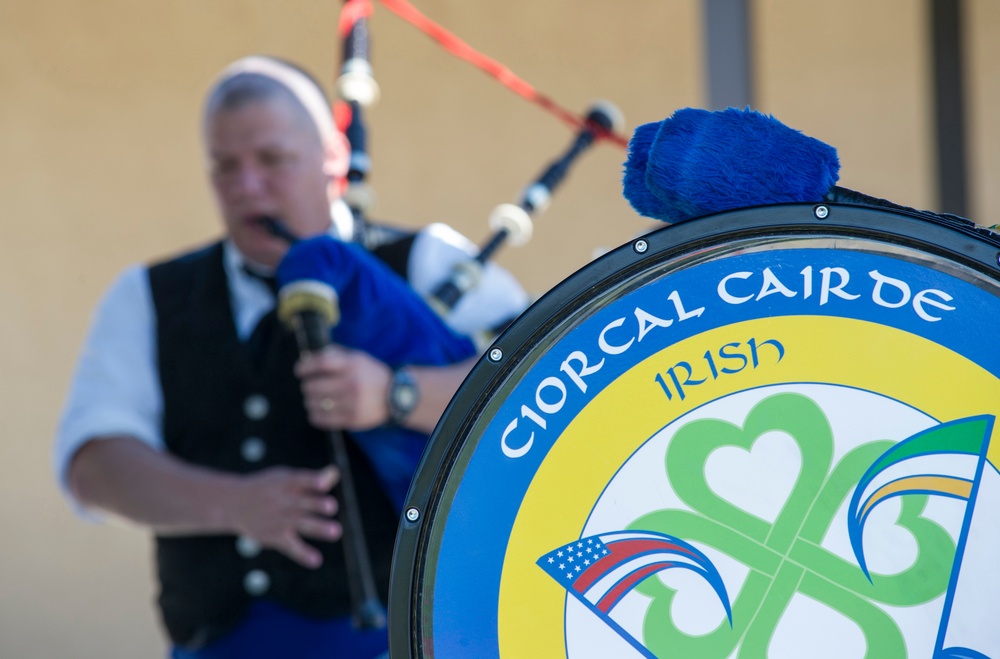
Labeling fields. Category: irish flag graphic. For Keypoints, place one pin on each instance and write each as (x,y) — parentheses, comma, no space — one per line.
(956,460)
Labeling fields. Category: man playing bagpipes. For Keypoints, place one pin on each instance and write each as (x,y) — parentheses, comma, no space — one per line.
(193,413)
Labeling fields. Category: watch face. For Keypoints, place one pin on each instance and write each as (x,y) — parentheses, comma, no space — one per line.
(762,433)
(404,395)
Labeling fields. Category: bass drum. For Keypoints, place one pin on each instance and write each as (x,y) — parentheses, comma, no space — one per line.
(763,433)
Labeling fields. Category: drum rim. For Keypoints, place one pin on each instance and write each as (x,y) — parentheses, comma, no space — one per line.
(949,237)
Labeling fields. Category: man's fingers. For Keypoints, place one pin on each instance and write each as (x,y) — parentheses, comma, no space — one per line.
(320,529)
(327,385)
(325,401)
(301,551)
(327,478)
(317,481)
(283,506)
(326,506)
(326,362)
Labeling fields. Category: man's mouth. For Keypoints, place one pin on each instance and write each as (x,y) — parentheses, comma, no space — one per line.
(274,227)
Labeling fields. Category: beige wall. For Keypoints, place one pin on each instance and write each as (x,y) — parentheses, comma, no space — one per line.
(100,167)
(856,83)
(983,26)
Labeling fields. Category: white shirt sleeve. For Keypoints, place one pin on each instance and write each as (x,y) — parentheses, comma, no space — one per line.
(115,389)
(496,299)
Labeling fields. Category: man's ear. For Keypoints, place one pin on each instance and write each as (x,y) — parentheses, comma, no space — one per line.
(336,161)
(337,158)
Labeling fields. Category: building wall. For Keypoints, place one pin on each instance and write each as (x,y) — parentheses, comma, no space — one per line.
(101,167)
(855,84)
(982,24)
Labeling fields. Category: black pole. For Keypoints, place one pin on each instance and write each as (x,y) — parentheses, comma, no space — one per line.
(949,105)
(728,49)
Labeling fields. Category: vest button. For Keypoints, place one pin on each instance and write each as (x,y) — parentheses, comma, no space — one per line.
(253,449)
(256,407)
(247,547)
(256,582)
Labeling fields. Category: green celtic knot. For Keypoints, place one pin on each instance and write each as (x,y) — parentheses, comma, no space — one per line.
(786,557)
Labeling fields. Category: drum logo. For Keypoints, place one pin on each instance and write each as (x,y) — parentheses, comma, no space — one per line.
(726,568)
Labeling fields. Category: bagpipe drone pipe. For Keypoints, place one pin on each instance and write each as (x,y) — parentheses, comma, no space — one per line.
(512,223)
(358,90)
(766,429)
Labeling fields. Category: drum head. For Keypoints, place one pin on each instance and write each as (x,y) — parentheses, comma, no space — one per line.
(767,432)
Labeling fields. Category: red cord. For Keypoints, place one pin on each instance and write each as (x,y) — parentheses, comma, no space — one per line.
(342,115)
(354,9)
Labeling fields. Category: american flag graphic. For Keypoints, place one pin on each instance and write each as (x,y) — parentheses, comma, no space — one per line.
(600,570)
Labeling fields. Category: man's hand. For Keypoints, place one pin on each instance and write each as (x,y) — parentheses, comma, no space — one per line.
(277,507)
(344,388)
(280,506)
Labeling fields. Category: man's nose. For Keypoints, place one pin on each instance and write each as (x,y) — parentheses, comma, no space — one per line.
(249,179)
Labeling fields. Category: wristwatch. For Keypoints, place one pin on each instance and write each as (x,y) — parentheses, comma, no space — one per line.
(404,394)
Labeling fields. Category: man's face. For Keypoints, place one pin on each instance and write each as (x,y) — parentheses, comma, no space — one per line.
(267,158)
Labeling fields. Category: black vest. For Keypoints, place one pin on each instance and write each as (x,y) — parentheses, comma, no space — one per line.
(213,397)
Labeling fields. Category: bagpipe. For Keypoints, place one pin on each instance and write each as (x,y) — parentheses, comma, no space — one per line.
(765,429)
(510,223)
